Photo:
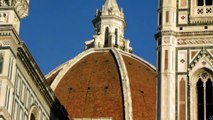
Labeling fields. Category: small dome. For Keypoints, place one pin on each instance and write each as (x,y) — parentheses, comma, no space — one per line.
(106,83)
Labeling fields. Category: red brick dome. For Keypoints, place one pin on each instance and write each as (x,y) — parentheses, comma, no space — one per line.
(106,83)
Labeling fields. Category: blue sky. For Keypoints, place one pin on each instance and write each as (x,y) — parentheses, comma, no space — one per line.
(55,30)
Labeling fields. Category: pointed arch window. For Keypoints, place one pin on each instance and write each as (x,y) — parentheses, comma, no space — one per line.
(106,39)
(32,117)
(205,97)
(209,99)
(200,99)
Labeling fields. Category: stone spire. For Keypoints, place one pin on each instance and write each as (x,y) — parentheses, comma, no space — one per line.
(110,6)
(109,26)
(12,11)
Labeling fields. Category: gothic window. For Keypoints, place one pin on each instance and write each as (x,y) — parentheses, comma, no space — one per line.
(204,97)
(209,99)
(106,40)
(200,98)
(1,62)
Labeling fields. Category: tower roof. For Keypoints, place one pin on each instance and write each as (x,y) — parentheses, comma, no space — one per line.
(111,8)
(111,5)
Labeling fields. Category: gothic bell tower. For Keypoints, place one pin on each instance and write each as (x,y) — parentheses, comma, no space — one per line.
(109,24)
(185,60)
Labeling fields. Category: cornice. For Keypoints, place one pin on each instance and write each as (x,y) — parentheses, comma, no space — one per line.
(183,34)
(99,18)
(39,80)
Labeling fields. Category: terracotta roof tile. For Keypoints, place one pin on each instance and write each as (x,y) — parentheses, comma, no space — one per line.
(91,88)
(143,90)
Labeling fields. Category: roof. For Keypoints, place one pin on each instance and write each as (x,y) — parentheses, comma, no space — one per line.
(106,83)
(111,5)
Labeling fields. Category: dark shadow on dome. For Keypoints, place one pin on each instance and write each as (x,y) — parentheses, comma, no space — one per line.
(58,111)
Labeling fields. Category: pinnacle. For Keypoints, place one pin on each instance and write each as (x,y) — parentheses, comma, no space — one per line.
(111,5)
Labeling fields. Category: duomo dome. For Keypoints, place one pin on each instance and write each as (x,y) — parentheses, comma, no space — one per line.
(106,81)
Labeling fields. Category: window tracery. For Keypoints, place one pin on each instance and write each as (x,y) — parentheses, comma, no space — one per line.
(201,11)
(204,87)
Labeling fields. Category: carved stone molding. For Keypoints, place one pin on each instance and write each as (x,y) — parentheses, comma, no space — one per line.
(202,53)
(201,14)
(5,33)
(166,40)
(22,7)
(3,17)
(195,41)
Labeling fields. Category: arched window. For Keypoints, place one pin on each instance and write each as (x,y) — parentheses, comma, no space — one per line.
(106,40)
(205,97)
(32,117)
(116,36)
(209,99)
(34,113)
(200,99)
